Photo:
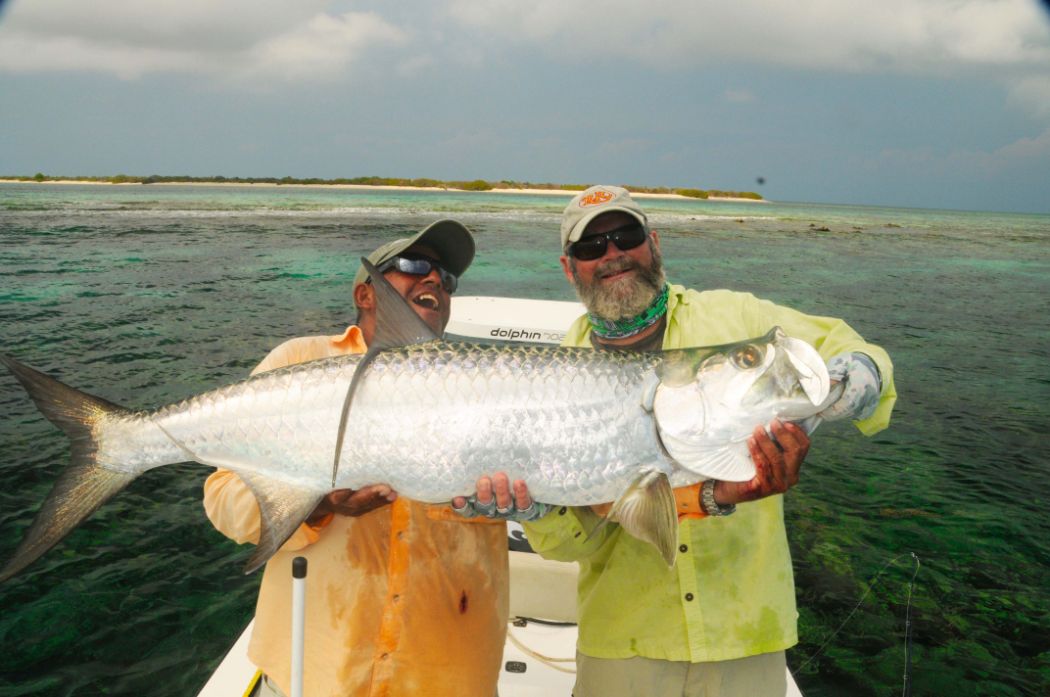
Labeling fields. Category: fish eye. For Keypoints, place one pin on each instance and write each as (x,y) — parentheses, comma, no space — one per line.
(747,357)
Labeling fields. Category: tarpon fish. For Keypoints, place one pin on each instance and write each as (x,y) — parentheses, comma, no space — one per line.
(428,418)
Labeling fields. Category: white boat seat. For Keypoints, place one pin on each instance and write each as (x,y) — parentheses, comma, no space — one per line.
(541,588)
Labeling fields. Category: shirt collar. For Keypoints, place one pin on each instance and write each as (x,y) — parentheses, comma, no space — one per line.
(351,341)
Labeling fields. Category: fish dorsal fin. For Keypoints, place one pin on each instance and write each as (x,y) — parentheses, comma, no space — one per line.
(647,511)
(397,324)
(282,509)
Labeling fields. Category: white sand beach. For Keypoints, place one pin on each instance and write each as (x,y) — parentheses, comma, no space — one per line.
(380,187)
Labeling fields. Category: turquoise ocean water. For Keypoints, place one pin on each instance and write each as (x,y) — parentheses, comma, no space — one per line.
(146,295)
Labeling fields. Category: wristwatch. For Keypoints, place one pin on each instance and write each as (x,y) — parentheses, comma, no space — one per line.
(708,503)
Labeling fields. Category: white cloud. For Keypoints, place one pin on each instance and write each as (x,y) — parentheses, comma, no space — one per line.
(978,164)
(257,42)
(413,65)
(231,40)
(739,96)
(907,36)
(24,54)
(1032,92)
(1036,148)
(322,47)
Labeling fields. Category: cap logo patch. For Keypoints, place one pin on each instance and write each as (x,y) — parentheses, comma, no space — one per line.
(595,199)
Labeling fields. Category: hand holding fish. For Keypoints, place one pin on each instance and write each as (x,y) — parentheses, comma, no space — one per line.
(861,387)
(353,502)
(777,464)
(496,497)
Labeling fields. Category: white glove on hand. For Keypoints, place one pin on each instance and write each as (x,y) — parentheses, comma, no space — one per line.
(861,387)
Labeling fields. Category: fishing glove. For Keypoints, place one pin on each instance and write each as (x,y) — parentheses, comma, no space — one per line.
(473,509)
(861,387)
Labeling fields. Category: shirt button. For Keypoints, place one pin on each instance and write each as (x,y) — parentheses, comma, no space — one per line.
(688,596)
(683,548)
(384,657)
(563,510)
(397,598)
(400,535)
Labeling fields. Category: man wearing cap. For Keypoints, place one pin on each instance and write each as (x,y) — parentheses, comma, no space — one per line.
(719,621)
(405,598)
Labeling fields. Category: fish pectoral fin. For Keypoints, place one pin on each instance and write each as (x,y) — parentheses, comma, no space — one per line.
(282,509)
(647,511)
(730,462)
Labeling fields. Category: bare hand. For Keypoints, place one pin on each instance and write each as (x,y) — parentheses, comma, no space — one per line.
(498,485)
(777,464)
(353,502)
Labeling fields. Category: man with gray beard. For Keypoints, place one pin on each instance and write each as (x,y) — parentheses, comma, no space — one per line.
(719,621)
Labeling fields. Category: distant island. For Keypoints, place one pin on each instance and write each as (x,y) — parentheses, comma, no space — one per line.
(503,185)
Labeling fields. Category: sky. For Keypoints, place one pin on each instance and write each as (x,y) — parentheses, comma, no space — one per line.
(913,103)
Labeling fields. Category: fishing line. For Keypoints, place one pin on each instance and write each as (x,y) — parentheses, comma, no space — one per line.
(907,621)
(907,631)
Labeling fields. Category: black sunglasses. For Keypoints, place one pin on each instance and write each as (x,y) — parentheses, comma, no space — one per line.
(626,237)
(420,266)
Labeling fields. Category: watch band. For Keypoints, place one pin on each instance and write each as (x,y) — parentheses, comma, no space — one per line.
(708,503)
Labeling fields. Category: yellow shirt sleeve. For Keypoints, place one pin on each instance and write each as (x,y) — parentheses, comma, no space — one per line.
(228,502)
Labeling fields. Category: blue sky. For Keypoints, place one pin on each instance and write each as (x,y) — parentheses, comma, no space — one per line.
(925,103)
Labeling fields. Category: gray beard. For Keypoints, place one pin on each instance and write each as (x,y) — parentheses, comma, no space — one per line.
(627,297)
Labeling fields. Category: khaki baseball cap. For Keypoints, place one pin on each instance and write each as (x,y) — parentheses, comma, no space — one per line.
(451,241)
(588,205)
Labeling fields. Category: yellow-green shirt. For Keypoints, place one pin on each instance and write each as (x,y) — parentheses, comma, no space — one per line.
(731,591)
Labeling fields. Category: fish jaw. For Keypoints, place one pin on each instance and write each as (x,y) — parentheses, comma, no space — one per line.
(704,424)
(699,422)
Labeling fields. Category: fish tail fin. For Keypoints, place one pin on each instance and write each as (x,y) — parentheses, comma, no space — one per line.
(84,485)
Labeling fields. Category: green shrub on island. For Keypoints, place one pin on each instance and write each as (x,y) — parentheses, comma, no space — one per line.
(422,183)
(735,194)
(475,185)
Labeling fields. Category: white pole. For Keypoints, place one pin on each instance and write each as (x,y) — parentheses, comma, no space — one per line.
(298,623)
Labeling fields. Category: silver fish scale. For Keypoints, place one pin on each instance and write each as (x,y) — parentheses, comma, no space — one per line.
(281,424)
(568,421)
(426,419)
